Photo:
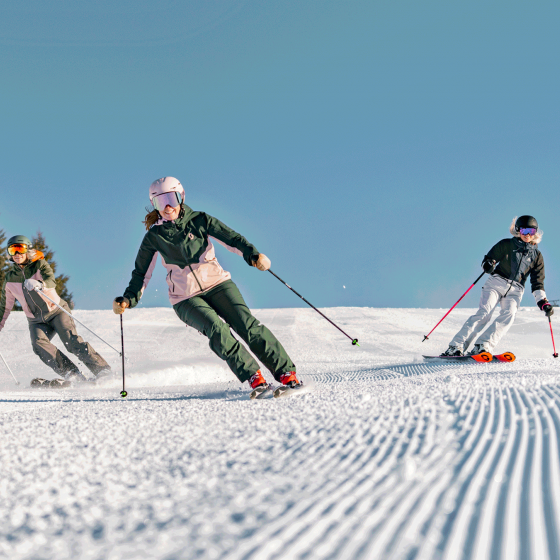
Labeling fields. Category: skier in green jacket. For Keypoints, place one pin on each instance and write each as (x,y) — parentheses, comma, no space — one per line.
(200,290)
(29,272)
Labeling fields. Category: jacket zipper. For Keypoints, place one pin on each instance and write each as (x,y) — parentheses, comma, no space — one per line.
(526,250)
(196,278)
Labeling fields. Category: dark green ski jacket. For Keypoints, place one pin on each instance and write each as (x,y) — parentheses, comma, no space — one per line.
(187,253)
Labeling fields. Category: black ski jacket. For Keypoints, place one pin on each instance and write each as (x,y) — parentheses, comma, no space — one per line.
(517,260)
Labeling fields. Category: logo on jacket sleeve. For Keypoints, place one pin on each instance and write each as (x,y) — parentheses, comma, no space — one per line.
(191,236)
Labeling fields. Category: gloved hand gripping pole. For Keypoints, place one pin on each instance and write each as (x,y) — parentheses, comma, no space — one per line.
(354,340)
(40,291)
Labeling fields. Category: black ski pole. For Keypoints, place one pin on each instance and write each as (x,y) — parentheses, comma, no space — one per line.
(354,340)
(427,335)
(552,335)
(123,392)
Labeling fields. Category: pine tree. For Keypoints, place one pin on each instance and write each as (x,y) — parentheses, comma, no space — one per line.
(3,259)
(40,244)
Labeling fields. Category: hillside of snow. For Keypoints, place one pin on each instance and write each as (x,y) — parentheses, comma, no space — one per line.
(386,457)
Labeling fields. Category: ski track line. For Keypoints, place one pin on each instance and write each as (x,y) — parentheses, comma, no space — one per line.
(328,497)
(513,535)
(552,414)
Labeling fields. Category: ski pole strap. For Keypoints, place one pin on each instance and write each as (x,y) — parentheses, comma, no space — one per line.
(427,335)
(354,340)
(552,335)
(74,318)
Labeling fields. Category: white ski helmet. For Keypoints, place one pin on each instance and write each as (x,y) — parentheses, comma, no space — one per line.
(164,186)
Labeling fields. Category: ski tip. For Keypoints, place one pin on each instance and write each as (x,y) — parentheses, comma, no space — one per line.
(506,357)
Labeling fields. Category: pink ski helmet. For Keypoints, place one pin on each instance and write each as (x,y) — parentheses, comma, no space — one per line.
(166,191)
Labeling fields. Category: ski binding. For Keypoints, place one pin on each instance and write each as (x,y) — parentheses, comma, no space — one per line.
(261,392)
(40,383)
(288,391)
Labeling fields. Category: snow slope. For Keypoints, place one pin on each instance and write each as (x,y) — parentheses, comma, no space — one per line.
(387,456)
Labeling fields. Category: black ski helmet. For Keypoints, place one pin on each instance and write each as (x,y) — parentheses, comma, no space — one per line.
(526,222)
(19,239)
(16,240)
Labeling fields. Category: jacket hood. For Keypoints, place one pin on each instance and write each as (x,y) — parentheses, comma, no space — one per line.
(538,235)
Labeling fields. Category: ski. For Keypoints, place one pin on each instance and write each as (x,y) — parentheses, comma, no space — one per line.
(287,391)
(40,383)
(505,357)
(483,357)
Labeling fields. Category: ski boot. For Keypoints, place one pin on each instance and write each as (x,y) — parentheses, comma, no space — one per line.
(478,349)
(258,384)
(453,351)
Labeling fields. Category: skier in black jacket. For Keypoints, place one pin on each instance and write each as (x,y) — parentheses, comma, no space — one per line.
(510,262)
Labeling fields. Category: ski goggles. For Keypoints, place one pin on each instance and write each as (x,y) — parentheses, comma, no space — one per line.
(527,231)
(20,248)
(172,199)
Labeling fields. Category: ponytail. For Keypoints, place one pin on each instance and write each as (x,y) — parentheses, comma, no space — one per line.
(151,218)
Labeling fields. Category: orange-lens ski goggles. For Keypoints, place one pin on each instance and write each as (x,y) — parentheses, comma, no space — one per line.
(20,248)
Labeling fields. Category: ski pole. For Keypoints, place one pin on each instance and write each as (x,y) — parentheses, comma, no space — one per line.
(427,335)
(6,363)
(123,392)
(72,316)
(354,340)
(552,335)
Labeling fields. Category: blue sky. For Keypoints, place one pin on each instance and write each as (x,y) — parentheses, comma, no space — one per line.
(373,150)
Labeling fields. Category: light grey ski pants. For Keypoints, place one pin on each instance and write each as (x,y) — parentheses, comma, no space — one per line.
(493,292)
(42,334)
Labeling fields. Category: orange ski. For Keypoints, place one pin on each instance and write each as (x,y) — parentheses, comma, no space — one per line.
(505,357)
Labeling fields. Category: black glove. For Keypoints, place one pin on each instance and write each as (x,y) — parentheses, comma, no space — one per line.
(546,307)
(488,265)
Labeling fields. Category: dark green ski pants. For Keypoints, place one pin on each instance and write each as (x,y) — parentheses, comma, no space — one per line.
(42,334)
(205,313)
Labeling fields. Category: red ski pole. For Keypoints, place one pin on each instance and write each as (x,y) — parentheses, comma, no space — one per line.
(426,336)
(552,335)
